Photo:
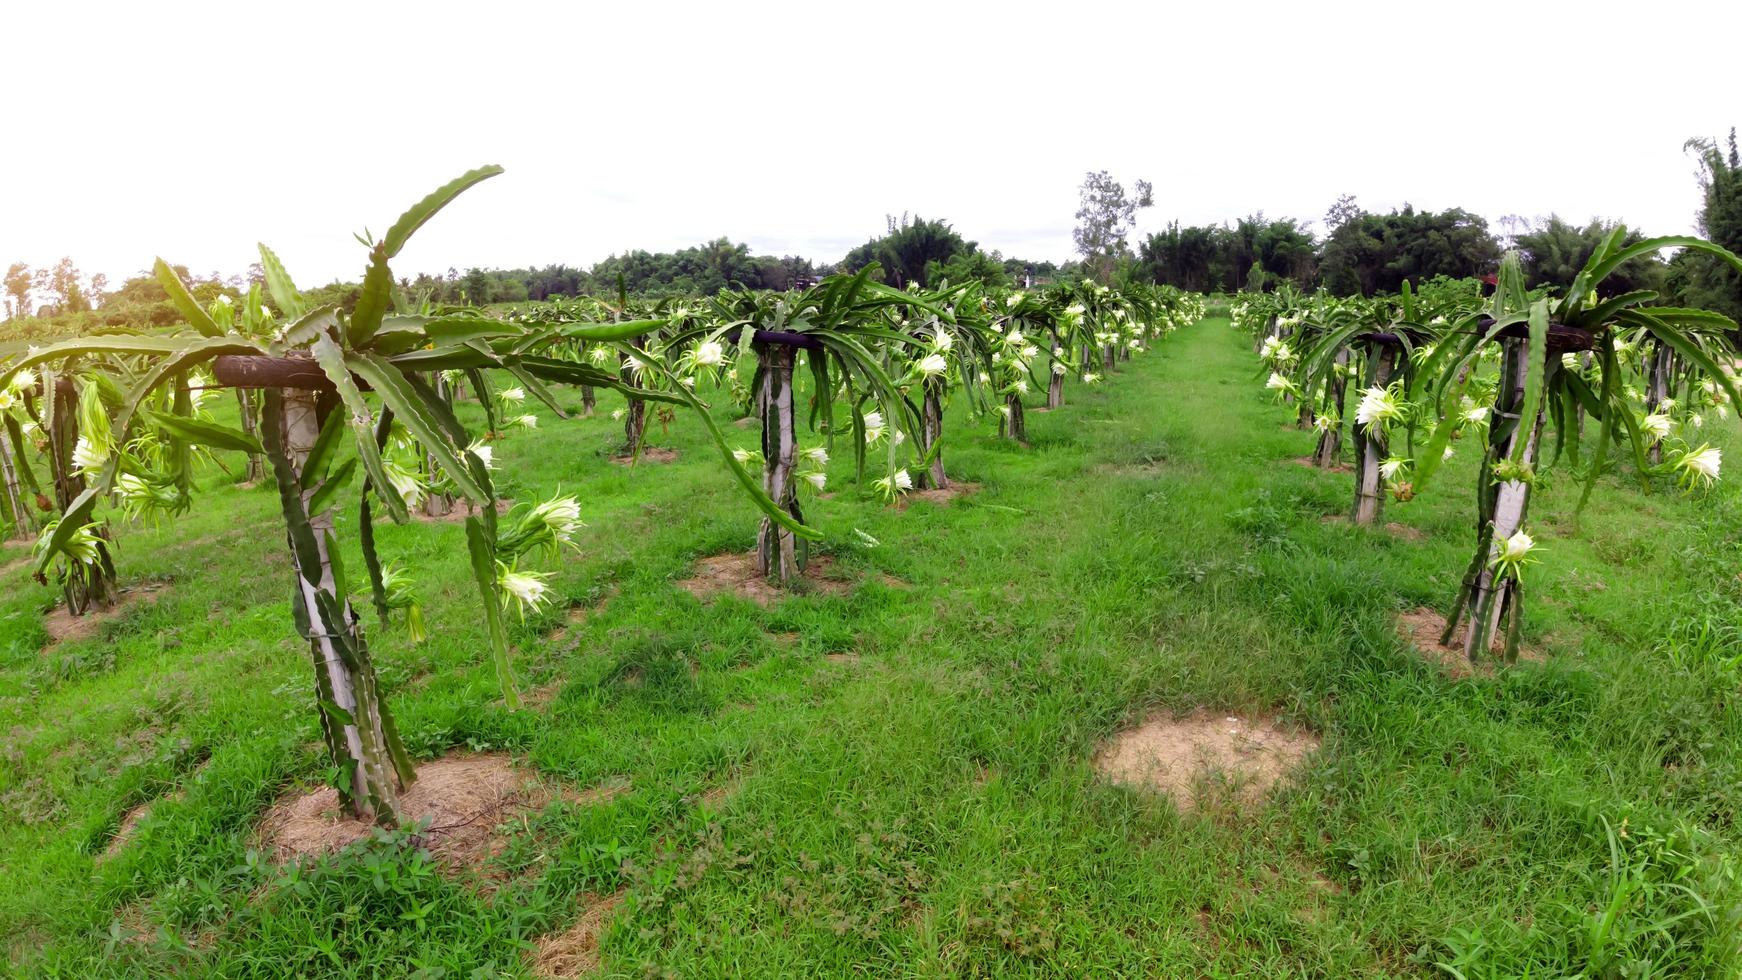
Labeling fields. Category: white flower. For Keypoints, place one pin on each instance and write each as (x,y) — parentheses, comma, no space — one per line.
(1378,407)
(405,483)
(485,454)
(599,355)
(617,416)
(22,380)
(527,589)
(1448,454)
(873,426)
(709,353)
(513,394)
(817,455)
(1325,423)
(1701,465)
(1021,386)
(818,480)
(7,399)
(943,341)
(1391,466)
(524,421)
(88,457)
(1514,549)
(1090,378)
(898,437)
(1656,425)
(1058,367)
(1476,415)
(561,514)
(202,388)
(743,455)
(903,481)
(933,365)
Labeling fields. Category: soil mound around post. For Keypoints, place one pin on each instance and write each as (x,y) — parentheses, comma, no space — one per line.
(1402,532)
(462,800)
(736,574)
(957,488)
(1422,628)
(1309,463)
(461,510)
(649,454)
(1187,758)
(62,626)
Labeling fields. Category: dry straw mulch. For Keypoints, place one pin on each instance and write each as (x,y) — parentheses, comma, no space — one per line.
(574,952)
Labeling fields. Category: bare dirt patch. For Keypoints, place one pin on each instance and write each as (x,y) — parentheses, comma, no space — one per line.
(1422,628)
(1182,757)
(63,626)
(574,952)
(604,792)
(464,798)
(735,574)
(1307,461)
(462,509)
(537,697)
(649,454)
(578,614)
(130,822)
(716,796)
(957,488)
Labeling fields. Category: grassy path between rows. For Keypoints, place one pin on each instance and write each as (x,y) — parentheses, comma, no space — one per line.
(897,781)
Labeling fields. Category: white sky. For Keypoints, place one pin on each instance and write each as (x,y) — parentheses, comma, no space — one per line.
(195,130)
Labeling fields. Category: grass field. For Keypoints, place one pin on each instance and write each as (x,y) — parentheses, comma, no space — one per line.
(898,780)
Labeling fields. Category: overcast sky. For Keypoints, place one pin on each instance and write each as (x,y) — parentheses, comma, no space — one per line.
(195,130)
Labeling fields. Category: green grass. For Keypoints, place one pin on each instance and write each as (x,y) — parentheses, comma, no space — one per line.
(929,808)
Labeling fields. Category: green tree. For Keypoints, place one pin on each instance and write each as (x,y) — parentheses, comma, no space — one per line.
(907,249)
(17,282)
(1105,218)
(1555,250)
(1376,253)
(1704,281)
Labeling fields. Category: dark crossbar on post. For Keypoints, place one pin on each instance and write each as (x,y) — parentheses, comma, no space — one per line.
(256,371)
(804,341)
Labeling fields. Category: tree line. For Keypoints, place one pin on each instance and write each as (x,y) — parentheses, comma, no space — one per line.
(1361,253)
(1366,253)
